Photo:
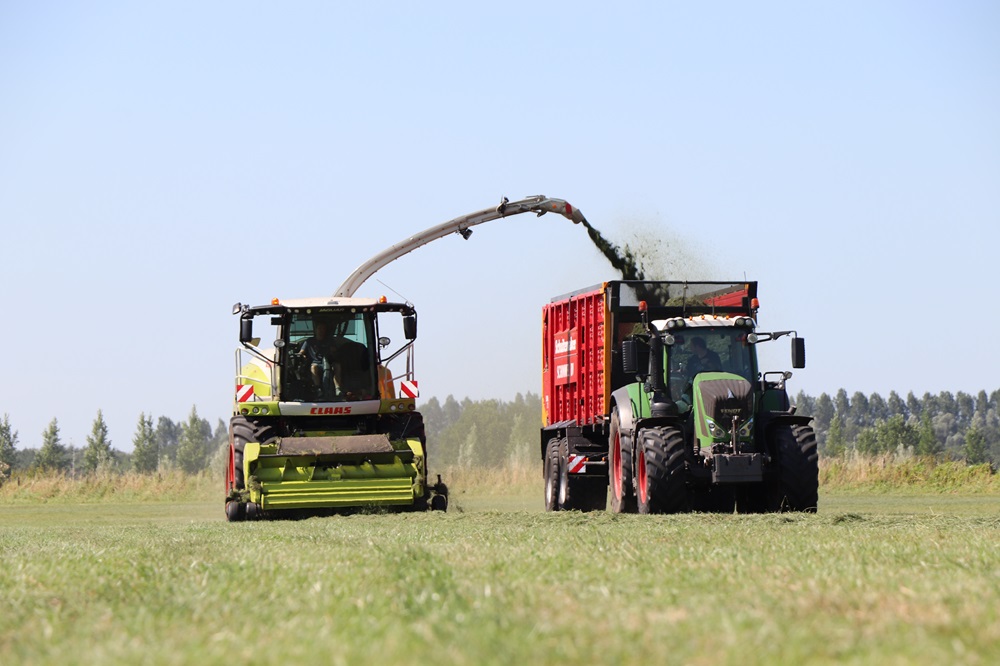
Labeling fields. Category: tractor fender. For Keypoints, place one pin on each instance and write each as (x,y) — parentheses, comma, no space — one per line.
(786,419)
(621,401)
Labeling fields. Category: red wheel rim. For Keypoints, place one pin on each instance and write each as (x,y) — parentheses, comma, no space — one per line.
(642,477)
(616,467)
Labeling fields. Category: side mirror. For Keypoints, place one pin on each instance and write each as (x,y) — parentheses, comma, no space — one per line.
(798,352)
(246,330)
(410,327)
(629,356)
(635,357)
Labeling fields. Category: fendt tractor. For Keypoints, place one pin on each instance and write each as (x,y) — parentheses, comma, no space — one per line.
(654,389)
(325,417)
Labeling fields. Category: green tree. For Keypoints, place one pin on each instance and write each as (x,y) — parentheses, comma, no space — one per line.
(146,452)
(835,444)
(98,452)
(467,453)
(168,436)
(867,441)
(824,412)
(8,443)
(895,404)
(193,446)
(975,446)
(927,441)
(52,456)
(894,434)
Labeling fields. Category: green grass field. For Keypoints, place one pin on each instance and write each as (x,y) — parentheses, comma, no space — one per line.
(873,578)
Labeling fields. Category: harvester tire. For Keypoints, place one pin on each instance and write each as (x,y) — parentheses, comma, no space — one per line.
(235,511)
(439,503)
(551,471)
(620,472)
(242,430)
(797,485)
(661,474)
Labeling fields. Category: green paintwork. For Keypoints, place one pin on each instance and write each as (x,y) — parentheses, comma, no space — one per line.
(312,482)
(705,440)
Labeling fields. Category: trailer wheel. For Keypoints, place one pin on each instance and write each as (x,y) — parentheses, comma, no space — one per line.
(562,495)
(439,503)
(622,492)
(796,487)
(552,474)
(241,431)
(661,475)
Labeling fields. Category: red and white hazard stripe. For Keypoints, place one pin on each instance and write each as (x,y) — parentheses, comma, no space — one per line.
(244,392)
(576,464)
(409,389)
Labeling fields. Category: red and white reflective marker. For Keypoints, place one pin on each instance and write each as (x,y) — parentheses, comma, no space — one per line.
(409,389)
(244,392)
(576,464)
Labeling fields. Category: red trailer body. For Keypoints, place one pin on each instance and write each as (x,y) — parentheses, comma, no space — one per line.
(575,368)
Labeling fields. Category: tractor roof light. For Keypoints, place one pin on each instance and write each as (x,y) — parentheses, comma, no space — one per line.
(668,339)
(383,299)
(643,306)
(275,301)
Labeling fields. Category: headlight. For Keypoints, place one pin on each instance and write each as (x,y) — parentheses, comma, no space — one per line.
(714,430)
(746,430)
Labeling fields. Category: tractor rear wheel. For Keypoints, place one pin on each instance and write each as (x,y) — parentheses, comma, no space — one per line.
(797,485)
(552,474)
(241,431)
(620,472)
(661,474)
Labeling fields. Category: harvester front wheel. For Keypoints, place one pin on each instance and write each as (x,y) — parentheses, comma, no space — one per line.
(552,475)
(622,491)
(797,485)
(661,476)
(241,431)
(235,511)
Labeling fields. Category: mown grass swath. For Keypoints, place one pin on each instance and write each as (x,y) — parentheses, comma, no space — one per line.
(492,587)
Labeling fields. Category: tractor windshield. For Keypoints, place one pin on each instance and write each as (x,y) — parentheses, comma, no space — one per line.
(331,356)
(709,350)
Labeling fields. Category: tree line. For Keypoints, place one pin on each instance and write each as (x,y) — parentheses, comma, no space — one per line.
(958,426)
(190,445)
(495,433)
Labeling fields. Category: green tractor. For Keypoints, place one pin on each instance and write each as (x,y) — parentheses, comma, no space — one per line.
(324,417)
(702,428)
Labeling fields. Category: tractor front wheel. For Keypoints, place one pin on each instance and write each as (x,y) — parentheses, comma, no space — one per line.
(796,487)
(661,482)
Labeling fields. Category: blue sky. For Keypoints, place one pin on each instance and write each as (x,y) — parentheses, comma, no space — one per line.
(161,161)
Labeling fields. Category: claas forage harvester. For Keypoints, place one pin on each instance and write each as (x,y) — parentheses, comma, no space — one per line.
(653,390)
(324,416)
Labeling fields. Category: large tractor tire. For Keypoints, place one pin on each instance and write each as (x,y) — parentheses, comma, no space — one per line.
(242,430)
(553,474)
(620,472)
(661,475)
(796,487)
